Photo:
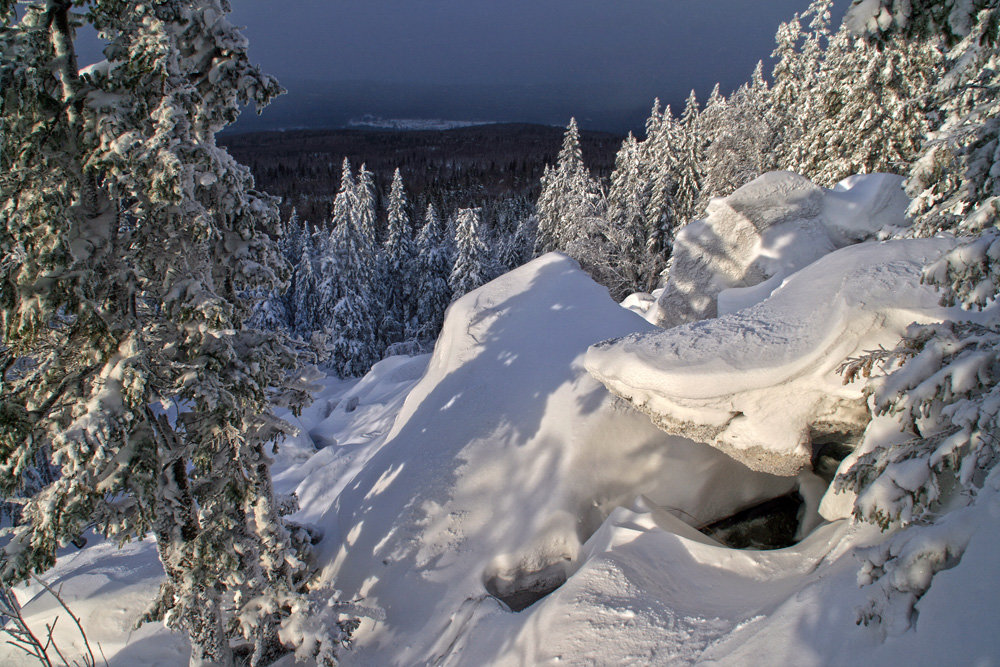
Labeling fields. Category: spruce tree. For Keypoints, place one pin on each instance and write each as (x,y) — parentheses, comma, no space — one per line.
(689,162)
(305,302)
(433,268)
(743,140)
(471,254)
(349,308)
(128,244)
(399,282)
(940,384)
(658,165)
(569,197)
(872,116)
(626,265)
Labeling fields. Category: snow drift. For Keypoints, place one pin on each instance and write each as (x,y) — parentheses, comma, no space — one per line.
(504,459)
(762,384)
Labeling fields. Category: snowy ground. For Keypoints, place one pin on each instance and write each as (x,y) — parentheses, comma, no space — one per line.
(499,467)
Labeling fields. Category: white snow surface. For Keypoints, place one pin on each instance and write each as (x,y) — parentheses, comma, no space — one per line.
(762,384)
(771,227)
(499,456)
(504,459)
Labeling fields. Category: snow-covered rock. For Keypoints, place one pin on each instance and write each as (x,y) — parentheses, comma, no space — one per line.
(762,384)
(765,231)
(504,459)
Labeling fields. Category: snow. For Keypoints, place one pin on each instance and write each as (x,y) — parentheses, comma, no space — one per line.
(771,227)
(761,384)
(504,459)
(504,462)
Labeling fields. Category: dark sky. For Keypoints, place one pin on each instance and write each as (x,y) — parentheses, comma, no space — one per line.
(532,60)
(648,43)
(607,58)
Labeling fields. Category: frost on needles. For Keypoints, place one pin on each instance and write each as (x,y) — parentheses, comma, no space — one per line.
(129,246)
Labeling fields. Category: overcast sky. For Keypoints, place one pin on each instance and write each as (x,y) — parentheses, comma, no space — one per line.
(621,53)
(646,43)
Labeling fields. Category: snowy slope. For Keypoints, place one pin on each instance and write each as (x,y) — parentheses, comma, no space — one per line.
(505,458)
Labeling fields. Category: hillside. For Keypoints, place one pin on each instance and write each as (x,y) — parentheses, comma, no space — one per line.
(454,168)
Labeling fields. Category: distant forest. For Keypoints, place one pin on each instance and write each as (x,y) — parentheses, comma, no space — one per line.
(453,169)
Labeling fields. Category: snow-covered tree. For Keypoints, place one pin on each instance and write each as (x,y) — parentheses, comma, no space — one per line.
(305,293)
(625,264)
(128,240)
(325,285)
(471,254)
(350,310)
(940,383)
(689,161)
(797,95)
(659,166)
(433,268)
(569,197)
(399,310)
(872,115)
(365,212)
(742,140)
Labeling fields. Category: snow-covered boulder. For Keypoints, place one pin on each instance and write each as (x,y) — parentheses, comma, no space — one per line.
(762,384)
(765,231)
(504,459)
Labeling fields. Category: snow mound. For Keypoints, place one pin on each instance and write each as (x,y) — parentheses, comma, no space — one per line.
(504,459)
(762,384)
(771,227)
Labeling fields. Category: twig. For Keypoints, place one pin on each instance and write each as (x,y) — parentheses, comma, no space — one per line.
(76,619)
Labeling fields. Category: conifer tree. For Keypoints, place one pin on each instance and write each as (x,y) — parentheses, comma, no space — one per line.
(348,306)
(128,244)
(658,165)
(872,116)
(797,92)
(627,267)
(689,162)
(399,304)
(364,210)
(743,140)
(433,271)
(569,197)
(305,289)
(940,384)
(471,254)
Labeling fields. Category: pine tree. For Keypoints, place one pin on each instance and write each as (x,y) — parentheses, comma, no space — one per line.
(569,197)
(129,240)
(940,384)
(743,140)
(433,264)
(398,321)
(471,254)
(873,113)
